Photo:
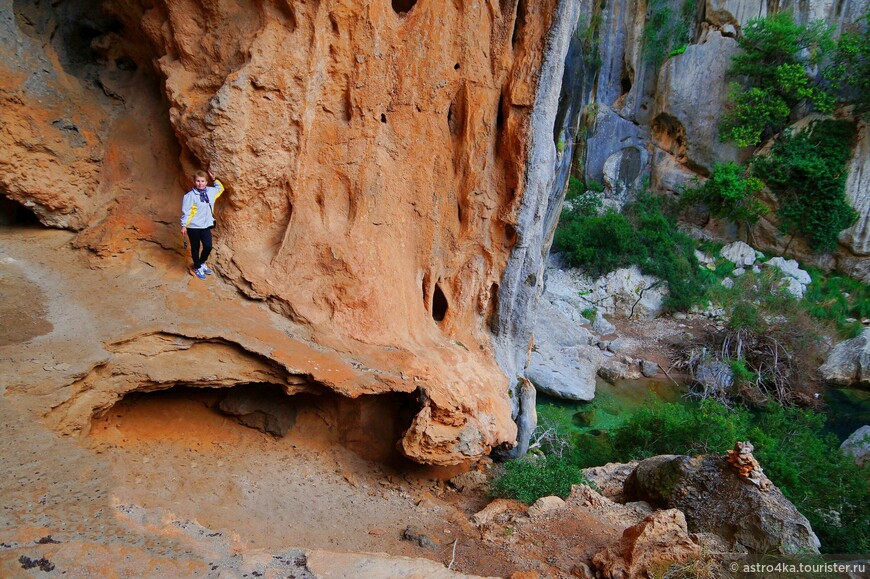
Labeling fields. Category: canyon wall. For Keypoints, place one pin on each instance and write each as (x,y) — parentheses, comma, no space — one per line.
(659,121)
(389,172)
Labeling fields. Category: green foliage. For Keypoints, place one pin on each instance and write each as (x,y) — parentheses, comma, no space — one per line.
(773,66)
(590,314)
(645,236)
(744,316)
(801,459)
(530,478)
(754,111)
(741,373)
(665,29)
(575,188)
(594,186)
(729,193)
(807,171)
(598,243)
(678,50)
(850,69)
(678,429)
(587,34)
(668,253)
(838,298)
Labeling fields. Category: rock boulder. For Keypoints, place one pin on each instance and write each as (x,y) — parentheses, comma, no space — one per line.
(848,363)
(716,499)
(659,540)
(858,445)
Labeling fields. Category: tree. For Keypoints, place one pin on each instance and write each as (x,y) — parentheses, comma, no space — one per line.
(773,69)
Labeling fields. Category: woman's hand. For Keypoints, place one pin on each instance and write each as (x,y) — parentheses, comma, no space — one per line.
(183,230)
(211,176)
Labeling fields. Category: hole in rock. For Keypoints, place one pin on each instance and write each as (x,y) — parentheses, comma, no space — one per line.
(13,213)
(499,118)
(456,66)
(456,113)
(625,84)
(240,416)
(439,304)
(519,23)
(403,6)
(383,118)
(492,313)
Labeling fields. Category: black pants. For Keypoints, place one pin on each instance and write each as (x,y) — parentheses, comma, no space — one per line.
(197,237)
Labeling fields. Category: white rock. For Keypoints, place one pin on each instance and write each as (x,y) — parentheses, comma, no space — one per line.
(739,253)
(602,326)
(703,258)
(738,272)
(790,268)
(792,286)
(849,362)
(728,282)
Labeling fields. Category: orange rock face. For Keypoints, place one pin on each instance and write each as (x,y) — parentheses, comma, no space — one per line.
(375,157)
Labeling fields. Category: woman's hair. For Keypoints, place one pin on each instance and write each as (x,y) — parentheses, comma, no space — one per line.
(202,174)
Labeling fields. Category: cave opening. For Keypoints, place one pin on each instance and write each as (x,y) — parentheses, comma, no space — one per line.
(625,83)
(403,6)
(14,214)
(369,426)
(439,304)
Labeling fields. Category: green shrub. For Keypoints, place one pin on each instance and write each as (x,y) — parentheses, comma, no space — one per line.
(595,186)
(668,253)
(744,316)
(741,373)
(645,236)
(599,243)
(530,478)
(665,29)
(590,314)
(807,171)
(729,193)
(575,188)
(837,298)
(587,34)
(796,454)
(678,50)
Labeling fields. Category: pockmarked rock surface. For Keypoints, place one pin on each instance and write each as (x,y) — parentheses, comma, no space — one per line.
(848,363)
(375,178)
(717,500)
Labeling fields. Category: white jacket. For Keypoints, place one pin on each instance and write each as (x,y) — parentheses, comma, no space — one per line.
(196,214)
